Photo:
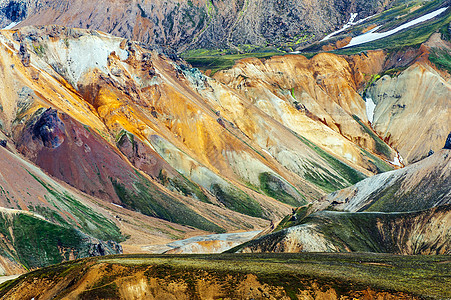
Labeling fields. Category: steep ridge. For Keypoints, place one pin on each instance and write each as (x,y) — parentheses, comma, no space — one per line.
(403,116)
(405,211)
(423,232)
(197,24)
(316,97)
(416,187)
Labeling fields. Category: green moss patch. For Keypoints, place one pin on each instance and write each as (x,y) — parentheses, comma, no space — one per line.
(237,200)
(147,199)
(275,188)
(381,147)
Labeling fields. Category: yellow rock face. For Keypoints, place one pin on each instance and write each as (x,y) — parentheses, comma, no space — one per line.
(315,98)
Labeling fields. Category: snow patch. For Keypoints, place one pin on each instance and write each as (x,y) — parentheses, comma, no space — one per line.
(370,106)
(10,26)
(398,160)
(372,35)
(346,26)
(117,205)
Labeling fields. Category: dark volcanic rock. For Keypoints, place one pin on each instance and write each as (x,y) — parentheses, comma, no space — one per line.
(50,129)
(186,24)
(12,11)
(25,56)
(448,142)
(101,248)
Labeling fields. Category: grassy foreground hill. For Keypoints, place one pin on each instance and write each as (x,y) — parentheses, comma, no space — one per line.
(225,276)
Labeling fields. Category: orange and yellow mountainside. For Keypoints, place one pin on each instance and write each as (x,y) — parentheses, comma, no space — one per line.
(160,151)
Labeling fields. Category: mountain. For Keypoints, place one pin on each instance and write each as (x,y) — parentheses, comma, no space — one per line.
(405,211)
(119,146)
(161,147)
(188,24)
(422,185)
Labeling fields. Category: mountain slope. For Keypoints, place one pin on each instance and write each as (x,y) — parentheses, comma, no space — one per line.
(164,149)
(140,102)
(413,233)
(403,111)
(44,223)
(406,211)
(197,24)
(416,187)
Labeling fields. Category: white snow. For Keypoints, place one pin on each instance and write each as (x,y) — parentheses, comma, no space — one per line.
(398,160)
(117,205)
(346,26)
(370,106)
(372,35)
(10,26)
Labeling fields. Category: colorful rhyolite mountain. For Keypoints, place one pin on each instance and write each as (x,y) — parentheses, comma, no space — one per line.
(112,142)
(407,211)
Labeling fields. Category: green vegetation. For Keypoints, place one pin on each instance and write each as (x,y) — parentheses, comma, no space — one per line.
(323,178)
(381,146)
(445,33)
(237,200)
(393,72)
(275,188)
(389,19)
(37,242)
(373,79)
(39,49)
(216,59)
(376,232)
(349,274)
(144,197)
(184,185)
(179,182)
(424,195)
(406,38)
(380,165)
(295,218)
(351,175)
(87,220)
(441,58)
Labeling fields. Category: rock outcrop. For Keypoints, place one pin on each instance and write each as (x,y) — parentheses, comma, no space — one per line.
(448,142)
(412,110)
